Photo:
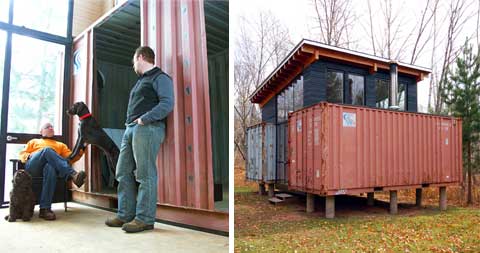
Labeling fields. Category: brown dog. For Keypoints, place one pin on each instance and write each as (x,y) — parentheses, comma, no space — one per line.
(22,199)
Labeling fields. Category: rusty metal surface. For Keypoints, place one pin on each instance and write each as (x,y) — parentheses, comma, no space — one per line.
(339,149)
(81,90)
(176,31)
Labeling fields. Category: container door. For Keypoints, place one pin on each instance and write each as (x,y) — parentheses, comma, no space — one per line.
(447,167)
(282,145)
(348,148)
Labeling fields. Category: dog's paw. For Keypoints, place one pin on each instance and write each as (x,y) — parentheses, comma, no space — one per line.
(26,218)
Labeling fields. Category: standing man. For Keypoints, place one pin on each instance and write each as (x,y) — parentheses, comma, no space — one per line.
(46,158)
(151,100)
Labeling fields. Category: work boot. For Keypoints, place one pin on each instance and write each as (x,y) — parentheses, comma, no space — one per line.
(47,214)
(78,178)
(136,226)
(114,222)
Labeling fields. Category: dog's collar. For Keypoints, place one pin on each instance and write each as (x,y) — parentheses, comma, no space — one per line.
(85,116)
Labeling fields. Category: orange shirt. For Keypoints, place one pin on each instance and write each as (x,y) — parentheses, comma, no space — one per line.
(36,145)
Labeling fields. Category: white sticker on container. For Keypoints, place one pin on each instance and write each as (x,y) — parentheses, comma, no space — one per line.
(446,141)
(349,119)
(299,125)
(318,173)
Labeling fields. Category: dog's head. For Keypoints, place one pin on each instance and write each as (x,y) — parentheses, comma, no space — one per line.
(22,178)
(79,108)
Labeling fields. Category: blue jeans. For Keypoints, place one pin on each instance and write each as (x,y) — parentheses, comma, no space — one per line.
(48,164)
(138,152)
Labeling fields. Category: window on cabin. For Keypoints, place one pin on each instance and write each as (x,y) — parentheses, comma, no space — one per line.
(289,100)
(334,86)
(401,96)
(298,94)
(281,107)
(356,89)
(382,87)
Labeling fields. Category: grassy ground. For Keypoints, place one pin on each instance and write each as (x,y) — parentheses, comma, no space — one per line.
(262,227)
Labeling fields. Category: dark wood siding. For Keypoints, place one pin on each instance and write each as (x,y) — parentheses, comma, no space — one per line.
(315,78)
(269,111)
(314,90)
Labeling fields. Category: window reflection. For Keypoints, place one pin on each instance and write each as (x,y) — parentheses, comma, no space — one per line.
(36,81)
(356,86)
(382,87)
(334,86)
(290,99)
(46,16)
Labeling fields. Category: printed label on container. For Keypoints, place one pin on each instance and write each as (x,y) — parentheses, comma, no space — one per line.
(299,125)
(349,119)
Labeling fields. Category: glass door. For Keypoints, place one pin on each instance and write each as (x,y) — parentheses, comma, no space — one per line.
(34,95)
(32,77)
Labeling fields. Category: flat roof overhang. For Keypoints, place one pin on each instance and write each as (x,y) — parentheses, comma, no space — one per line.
(307,51)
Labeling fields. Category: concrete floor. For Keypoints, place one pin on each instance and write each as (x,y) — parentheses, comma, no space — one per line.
(82,229)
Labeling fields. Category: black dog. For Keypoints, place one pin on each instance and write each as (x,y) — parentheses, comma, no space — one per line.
(22,199)
(90,132)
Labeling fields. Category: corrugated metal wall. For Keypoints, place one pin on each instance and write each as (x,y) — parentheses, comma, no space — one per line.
(337,149)
(218,77)
(176,31)
(80,90)
(270,144)
(282,151)
(254,152)
(261,152)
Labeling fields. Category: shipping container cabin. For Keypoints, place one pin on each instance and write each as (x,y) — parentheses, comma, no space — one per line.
(190,39)
(352,82)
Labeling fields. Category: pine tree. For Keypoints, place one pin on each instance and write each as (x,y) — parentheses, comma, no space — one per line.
(462,97)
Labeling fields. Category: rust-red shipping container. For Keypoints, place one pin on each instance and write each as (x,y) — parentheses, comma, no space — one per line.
(340,149)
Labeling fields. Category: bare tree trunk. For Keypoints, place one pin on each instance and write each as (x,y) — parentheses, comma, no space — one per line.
(260,44)
(457,17)
(432,61)
(334,19)
(469,172)
(372,34)
(240,150)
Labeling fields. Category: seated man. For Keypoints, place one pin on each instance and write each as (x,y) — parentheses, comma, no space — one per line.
(46,157)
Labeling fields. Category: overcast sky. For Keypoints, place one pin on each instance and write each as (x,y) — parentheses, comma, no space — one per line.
(298,17)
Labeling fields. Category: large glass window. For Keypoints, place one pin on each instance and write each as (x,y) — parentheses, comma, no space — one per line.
(3,42)
(46,16)
(334,86)
(356,86)
(4,8)
(382,88)
(12,153)
(298,94)
(401,96)
(281,107)
(289,99)
(382,91)
(36,80)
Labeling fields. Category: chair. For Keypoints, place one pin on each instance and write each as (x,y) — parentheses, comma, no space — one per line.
(61,189)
